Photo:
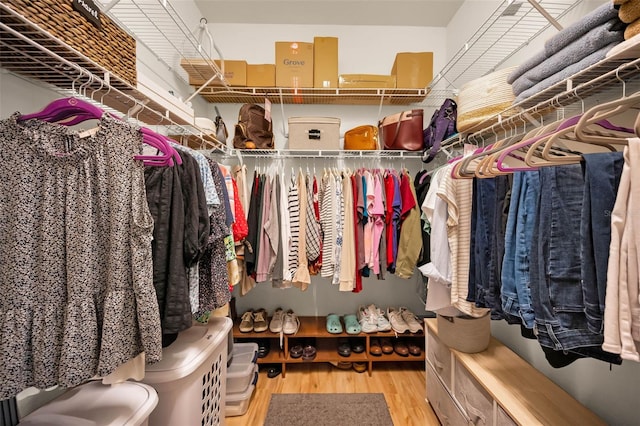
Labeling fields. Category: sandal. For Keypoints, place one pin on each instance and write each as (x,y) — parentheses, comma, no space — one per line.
(351,324)
(333,324)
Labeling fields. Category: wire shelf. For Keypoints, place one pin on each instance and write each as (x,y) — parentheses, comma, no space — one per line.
(509,28)
(29,51)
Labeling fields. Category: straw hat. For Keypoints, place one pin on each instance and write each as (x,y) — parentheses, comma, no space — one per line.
(465,333)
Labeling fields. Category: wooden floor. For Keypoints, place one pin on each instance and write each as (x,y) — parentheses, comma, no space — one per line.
(403,385)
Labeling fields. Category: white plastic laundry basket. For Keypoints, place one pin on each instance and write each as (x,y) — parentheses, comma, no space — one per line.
(191,378)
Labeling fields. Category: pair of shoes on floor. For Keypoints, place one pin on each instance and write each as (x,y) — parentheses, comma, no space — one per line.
(372,319)
(351,325)
(255,321)
(403,320)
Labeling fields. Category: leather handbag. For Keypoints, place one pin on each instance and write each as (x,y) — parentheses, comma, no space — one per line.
(402,131)
(361,138)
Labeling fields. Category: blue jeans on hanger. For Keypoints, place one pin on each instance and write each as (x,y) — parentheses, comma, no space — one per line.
(487,243)
(516,278)
(556,288)
(601,177)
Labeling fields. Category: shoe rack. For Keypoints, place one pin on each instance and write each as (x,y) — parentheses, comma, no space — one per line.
(314,330)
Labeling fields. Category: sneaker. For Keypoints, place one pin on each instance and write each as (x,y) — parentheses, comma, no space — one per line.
(260,322)
(398,324)
(276,321)
(411,320)
(246,323)
(368,324)
(291,323)
(382,323)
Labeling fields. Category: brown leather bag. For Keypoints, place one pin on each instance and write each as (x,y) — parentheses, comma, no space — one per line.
(402,131)
(361,138)
(253,129)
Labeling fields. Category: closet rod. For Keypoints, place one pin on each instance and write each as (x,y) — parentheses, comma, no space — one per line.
(284,154)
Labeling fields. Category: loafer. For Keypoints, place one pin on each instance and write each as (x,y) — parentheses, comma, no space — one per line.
(308,353)
(246,323)
(401,348)
(386,346)
(374,347)
(360,367)
(414,349)
(357,346)
(344,348)
(295,351)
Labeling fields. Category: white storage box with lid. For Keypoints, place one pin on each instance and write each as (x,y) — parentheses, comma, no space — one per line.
(244,348)
(241,373)
(94,404)
(191,378)
(314,133)
(237,404)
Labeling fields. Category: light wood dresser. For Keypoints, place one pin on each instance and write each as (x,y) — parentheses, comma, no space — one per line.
(495,387)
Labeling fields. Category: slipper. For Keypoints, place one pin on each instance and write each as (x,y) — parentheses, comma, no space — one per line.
(333,324)
(273,372)
(351,324)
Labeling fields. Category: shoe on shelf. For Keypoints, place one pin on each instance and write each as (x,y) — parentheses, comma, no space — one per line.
(368,324)
(382,323)
(411,319)
(360,367)
(308,353)
(334,326)
(342,365)
(414,349)
(400,348)
(275,326)
(260,321)
(246,322)
(357,345)
(296,351)
(351,324)
(386,345)
(374,347)
(290,323)
(344,348)
(397,323)
(263,347)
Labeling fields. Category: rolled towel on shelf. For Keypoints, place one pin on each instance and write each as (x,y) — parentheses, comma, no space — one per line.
(632,29)
(566,73)
(629,11)
(603,35)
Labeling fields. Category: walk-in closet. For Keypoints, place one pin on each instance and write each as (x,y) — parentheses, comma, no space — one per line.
(319,212)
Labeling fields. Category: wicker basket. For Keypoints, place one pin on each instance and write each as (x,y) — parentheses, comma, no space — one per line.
(110,47)
(481,100)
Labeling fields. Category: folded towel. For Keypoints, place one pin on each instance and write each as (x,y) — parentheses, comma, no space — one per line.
(630,11)
(576,30)
(632,29)
(565,73)
(567,35)
(603,35)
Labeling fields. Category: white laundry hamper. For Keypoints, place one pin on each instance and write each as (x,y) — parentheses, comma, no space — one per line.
(94,404)
(191,378)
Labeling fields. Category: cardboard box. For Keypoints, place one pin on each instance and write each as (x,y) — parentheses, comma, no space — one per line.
(235,72)
(314,133)
(370,81)
(294,64)
(200,71)
(325,62)
(262,75)
(413,70)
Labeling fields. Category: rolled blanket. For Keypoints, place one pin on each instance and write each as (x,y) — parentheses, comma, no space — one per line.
(630,11)
(603,35)
(632,29)
(591,20)
(565,73)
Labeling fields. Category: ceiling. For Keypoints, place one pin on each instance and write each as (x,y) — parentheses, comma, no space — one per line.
(430,13)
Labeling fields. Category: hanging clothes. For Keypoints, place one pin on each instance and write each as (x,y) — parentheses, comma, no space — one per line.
(77,288)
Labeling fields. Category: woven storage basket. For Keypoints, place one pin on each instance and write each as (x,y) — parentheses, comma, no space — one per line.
(465,333)
(480,100)
(110,47)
